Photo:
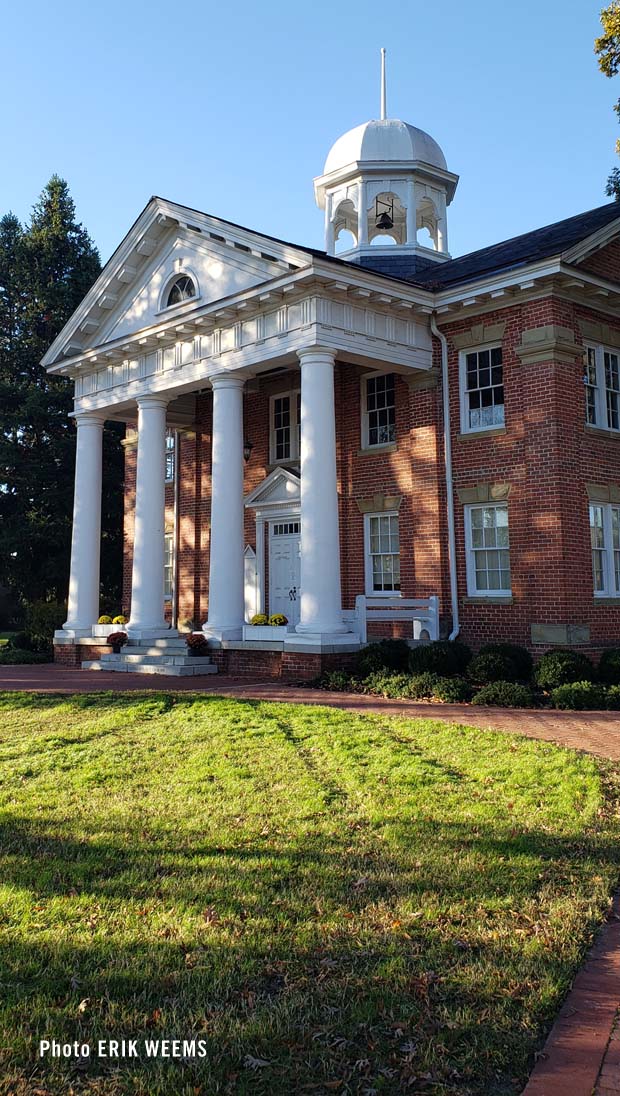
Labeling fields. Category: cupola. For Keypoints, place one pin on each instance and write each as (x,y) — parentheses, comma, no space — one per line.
(385,182)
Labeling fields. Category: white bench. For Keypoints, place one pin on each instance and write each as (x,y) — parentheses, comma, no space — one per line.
(423,614)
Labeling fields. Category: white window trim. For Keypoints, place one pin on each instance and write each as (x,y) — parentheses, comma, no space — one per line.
(609,589)
(292,395)
(173,450)
(470,556)
(169,282)
(169,533)
(364,411)
(600,392)
(465,427)
(368,583)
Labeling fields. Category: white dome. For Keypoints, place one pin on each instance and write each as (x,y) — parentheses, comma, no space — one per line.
(384,140)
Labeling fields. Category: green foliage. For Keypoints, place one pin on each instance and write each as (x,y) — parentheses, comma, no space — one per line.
(452,690)
(389,654)
(441,657)
(338,681)
(277,620)
(42,620)
(504,694)
(612,699)
(607,49)
(562,667)
(46,268)
(609,666)
(520,656)
(579,696)
(492,666)
(105,619)
(20,641)
(259,618)
(13,656)
(120,619)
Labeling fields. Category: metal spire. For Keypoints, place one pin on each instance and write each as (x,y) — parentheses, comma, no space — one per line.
(383,87)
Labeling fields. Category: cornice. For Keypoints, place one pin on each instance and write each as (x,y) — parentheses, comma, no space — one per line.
(549,343)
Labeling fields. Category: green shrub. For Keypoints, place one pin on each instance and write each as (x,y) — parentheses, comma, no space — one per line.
(12,656)
(21,641)
(519,655)
(338,681)
(505,694)
(440,657)
(492,666)
(452,690)
(383,683)
(120,619)
(613,698)
(104,619)
(562,667)
(579,696)
(389,654)
(609,666)
(278,620)
(259,618)
(42,620)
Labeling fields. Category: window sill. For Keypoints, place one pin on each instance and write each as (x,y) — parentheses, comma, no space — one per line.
(489,432)
(386,596)
(601,431)
(391,447)
(481,599)
(608,600)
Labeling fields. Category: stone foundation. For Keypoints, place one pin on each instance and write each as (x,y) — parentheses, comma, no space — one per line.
(278,665)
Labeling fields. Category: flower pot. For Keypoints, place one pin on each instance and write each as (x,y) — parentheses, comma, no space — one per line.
(117,648)
(266,631)
(198,652)
(104,630)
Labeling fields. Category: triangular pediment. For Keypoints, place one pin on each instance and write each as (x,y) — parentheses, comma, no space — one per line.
(280,488)
(130,294)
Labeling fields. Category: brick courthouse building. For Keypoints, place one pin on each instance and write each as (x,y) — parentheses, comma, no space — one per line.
(306,428)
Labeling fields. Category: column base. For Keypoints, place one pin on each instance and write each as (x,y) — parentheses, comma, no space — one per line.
(218,633)
(69,631)
(322,641)
(155,632)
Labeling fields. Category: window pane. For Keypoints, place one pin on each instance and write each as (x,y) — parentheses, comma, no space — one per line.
(484,388)
(380,410)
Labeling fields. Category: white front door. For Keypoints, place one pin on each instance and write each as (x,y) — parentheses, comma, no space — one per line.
(284,569)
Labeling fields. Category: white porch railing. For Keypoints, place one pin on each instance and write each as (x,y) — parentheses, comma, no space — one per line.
(423,614)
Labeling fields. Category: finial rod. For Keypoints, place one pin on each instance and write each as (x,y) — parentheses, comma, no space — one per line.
(383,87)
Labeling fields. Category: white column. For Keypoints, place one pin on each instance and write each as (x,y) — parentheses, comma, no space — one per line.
(321,605)
(362,215)
(330,233)
(83,608)
(226,595)
(411,213)
(147,576)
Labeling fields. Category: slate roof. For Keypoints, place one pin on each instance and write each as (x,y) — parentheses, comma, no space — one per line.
(542,243)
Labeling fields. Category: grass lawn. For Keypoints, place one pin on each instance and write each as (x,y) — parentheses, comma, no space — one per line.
(331,902)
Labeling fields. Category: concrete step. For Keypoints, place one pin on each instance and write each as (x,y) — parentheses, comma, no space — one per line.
(189,669)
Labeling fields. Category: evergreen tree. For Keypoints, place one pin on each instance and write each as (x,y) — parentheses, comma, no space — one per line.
(45,271)
(607,49)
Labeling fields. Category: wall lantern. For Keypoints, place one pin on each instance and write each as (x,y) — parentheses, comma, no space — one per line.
(247,450)
(384,214)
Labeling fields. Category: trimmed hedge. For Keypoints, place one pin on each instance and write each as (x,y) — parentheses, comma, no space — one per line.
(579,696)
(562,667)
(519,655)
(440,657)
(505,694)
(12,656)
(389,654)
(491,666)
(609,666)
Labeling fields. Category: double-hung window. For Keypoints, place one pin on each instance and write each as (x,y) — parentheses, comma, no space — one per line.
(602,384)
(168,565)
(379,410)
(482,389)
(488,550)
(605,541)
(382,544)
(170,456)
(285,427)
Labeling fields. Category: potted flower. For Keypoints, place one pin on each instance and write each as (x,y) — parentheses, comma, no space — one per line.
(263,627)
(117,640)
(107,624)
(197,644)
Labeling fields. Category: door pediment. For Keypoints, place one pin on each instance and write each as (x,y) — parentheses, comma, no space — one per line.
(280,490)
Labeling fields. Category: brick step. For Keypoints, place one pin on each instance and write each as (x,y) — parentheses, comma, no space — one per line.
(150,654)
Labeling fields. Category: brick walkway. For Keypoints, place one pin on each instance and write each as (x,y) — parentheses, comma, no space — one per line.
(582,1054)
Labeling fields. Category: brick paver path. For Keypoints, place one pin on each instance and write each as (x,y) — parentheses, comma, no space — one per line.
(582,1053)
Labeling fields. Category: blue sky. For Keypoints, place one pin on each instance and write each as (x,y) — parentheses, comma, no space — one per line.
(232,108)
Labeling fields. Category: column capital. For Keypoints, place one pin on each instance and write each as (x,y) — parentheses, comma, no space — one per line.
(88,418)
(153,401)
(227,380)
(319,353)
